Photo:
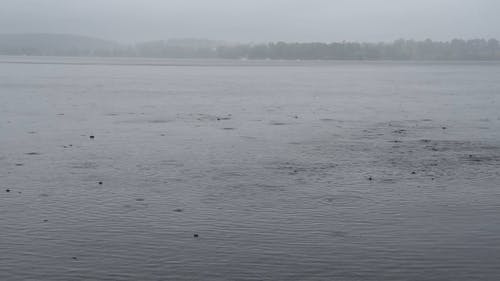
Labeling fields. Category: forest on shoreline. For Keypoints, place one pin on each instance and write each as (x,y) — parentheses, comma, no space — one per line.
(80,46)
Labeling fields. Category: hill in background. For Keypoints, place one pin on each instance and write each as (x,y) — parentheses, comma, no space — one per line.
(54,45)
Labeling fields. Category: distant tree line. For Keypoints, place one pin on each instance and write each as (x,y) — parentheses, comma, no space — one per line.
(457,49)
(176,48)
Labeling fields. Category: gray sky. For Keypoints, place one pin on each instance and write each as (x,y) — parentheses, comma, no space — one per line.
(255,20)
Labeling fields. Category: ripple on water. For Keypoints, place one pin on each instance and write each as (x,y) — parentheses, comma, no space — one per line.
(85,165)
(438,157)
(303,167)
(279,123)
(340,199)
(158,121)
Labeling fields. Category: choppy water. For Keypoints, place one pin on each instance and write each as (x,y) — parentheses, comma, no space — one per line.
(285,171)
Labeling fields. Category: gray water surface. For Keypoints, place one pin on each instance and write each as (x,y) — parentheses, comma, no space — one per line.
(284,170)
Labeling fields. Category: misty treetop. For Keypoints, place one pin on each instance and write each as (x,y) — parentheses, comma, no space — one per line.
(477,49)
(70,45)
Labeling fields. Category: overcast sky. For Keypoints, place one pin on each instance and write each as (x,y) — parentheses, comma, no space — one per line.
(255,20)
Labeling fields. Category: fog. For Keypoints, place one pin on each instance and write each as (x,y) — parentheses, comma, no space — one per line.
(298,140)
(256,20)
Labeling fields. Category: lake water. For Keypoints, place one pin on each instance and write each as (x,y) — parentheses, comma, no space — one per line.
(283,170)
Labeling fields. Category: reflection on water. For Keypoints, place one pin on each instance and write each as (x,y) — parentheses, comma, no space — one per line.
(221,171)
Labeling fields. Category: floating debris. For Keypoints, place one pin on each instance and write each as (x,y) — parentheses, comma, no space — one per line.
(400,131)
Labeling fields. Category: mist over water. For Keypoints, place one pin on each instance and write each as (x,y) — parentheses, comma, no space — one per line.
(256,21)
(131,169)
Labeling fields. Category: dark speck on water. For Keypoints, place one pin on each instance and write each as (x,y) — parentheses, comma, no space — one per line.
(196,235)
(400,131)
(92,137)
